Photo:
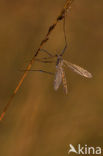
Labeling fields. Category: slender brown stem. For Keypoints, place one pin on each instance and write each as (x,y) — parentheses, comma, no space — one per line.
(46,38)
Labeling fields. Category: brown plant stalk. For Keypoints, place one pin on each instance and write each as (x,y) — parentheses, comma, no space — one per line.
(46,38)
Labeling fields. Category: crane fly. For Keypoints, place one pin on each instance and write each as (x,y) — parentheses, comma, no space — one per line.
(60,73)
(60,63)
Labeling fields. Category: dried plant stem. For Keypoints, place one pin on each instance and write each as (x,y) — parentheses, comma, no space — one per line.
(51,28)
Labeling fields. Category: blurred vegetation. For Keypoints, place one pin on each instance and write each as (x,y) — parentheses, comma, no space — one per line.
(41,121)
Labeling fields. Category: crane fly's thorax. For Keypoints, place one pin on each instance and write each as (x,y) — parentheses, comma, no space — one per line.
(59,62)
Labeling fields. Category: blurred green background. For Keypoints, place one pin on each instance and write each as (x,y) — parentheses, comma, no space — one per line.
(40,121)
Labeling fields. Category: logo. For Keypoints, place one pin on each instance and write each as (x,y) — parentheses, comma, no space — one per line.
(84,150)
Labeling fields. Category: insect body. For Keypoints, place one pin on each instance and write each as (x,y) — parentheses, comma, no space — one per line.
(60,73)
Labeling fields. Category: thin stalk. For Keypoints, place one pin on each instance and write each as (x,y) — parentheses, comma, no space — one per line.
(46,38)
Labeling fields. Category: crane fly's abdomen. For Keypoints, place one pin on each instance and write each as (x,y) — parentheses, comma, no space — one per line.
(58,75)
(64,82)
(58,78)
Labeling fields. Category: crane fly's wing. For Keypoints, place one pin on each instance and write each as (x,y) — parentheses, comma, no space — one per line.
(79,70)
(64,82)
(58,77)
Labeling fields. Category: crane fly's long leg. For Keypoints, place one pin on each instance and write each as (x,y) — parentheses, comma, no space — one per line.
(43,50)
(44,61)
(39,70)
(64,38)
(50,55)
(79,70)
